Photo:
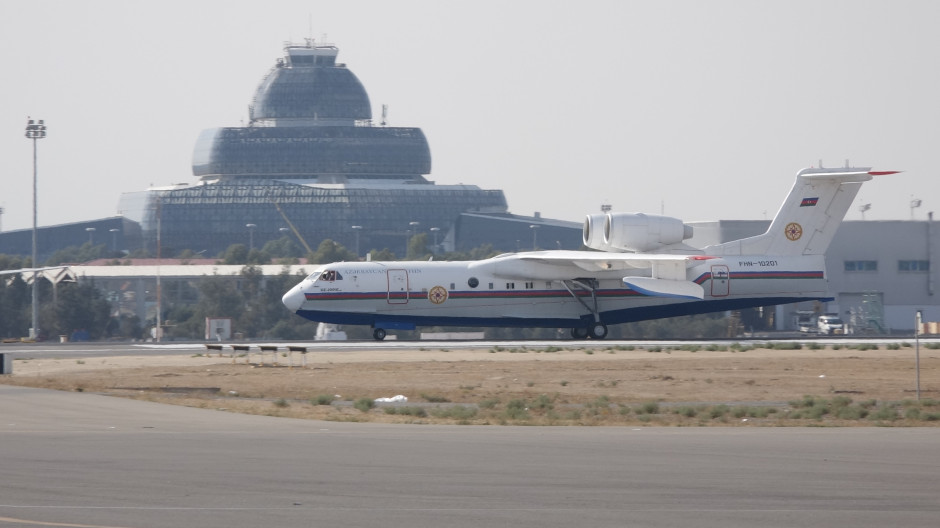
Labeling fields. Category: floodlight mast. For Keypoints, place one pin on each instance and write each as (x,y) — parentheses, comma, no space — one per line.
(35,130)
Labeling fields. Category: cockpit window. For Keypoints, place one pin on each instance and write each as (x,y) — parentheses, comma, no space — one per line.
(330,276)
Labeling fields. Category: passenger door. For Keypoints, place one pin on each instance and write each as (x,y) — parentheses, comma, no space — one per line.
(397,286)
(721,281)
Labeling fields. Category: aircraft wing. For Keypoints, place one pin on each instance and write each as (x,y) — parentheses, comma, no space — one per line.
(607,261)
(666,276)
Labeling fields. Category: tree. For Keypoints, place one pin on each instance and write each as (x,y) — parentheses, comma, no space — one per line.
(79,306)
(282,248)
(384,255)
(331,251)
(418,247)
(235,254)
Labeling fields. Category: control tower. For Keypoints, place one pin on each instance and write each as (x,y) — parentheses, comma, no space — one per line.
(312,155)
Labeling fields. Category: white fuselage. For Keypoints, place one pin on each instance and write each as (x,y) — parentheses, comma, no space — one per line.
(407,294)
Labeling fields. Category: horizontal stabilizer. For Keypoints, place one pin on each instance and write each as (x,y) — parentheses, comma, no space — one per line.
(665,288)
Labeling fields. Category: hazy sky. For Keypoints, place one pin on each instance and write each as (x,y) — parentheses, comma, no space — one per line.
(703,110)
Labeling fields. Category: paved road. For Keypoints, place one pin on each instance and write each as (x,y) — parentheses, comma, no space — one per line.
(91,460)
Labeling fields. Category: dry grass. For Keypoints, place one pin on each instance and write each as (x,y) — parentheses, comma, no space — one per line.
(548,386)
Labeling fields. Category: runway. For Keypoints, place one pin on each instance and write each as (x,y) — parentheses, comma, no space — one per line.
(78,459)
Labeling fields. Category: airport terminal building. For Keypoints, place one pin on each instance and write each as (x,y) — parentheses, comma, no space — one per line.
(310,156)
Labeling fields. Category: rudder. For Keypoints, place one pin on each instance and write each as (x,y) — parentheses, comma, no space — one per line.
(809,217)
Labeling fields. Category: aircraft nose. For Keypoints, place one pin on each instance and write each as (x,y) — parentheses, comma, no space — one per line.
(294,298)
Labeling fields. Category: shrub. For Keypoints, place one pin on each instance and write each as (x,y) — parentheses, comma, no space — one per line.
(407,411)
(456,412)
(489,403)
(884,414)
(322,399)
(364,404)
(719,410)
(516,410)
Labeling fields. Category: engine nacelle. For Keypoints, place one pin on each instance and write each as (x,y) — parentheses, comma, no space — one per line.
(593,233)
(634,232)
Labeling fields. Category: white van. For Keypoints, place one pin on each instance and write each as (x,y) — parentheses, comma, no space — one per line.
(830,325)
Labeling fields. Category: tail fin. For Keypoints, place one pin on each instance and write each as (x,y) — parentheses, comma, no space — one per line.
(808,218)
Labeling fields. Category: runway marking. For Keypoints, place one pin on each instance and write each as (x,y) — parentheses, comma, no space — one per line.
(42,523)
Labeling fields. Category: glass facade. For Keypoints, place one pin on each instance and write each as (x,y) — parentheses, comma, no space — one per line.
(311,149)
(311,91)
(312,152)
(213,216)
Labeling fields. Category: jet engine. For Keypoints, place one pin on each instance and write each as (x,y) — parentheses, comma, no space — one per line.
(593,233)
(634,232)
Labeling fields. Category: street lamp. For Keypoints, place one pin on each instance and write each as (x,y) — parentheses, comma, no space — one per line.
(435,230)
(35,130)
(864,207)
(251,236)
(114,233)
(356,229)
(535,232)
(91,235)
(414,233)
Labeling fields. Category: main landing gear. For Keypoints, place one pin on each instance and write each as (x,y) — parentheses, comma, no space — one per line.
(379,334)
(593,331)
(597,329)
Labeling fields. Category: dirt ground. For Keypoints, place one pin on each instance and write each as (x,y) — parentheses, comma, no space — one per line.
(555,385)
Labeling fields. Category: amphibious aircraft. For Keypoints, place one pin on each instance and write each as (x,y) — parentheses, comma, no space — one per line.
(638,268)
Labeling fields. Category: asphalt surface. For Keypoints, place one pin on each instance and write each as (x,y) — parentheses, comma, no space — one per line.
(77,459)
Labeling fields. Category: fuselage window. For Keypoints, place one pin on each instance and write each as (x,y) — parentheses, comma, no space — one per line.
(473,282)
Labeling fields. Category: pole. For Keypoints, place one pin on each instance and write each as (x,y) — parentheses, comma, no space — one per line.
(159,332)
(34,332)
(917,323)
(35,130)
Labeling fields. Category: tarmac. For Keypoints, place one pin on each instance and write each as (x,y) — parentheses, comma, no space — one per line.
(86,460)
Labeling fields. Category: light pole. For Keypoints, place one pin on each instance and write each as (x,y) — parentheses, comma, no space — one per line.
(864,207)
(414,233)
(435,230)
(251,236)
(535,233)
(35,130)
(114,233)
(91,235)
(356,229)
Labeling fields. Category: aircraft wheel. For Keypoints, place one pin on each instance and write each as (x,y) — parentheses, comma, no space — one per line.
(598,331)
(379,334)
(579,332)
